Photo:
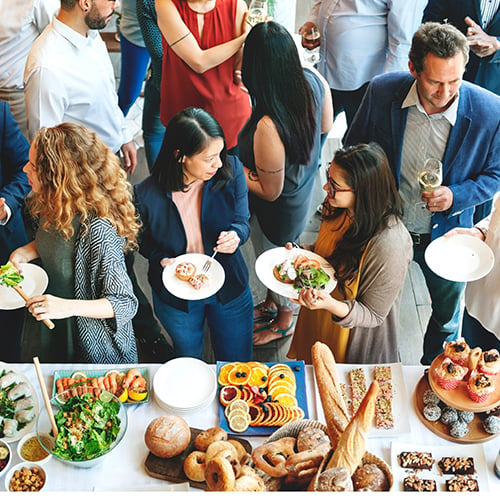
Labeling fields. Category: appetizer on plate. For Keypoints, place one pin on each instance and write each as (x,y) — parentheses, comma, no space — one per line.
(302,272)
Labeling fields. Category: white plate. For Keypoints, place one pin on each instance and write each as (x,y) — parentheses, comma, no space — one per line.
(399,400)
(265,263)
(182,289)
(184,383)
(28,427)
(475,451)
(35,282)
(459,257)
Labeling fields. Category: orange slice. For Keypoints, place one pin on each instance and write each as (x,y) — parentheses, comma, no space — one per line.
(229,393)
(287,400)
(240,374)
(258,377)
(223,372)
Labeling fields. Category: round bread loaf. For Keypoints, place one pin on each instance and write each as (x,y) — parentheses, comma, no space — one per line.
(369,477)
(167,436)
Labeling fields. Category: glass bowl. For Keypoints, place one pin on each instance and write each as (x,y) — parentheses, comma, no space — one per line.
(101,401)
(5,462)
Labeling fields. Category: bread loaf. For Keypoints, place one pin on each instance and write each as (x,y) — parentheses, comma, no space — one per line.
(167,436)
(334,407)
(351,445)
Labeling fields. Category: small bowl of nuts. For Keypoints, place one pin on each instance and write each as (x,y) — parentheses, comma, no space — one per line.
(25,476)
(5,457)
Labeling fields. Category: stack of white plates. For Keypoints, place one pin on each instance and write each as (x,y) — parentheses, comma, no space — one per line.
(184,385)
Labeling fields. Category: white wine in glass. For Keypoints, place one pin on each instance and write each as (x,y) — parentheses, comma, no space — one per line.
(257,12)
(431,176)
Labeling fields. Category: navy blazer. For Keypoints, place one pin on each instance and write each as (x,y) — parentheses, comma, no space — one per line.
(163,233)
(485,71)
(14,186)
(471,162)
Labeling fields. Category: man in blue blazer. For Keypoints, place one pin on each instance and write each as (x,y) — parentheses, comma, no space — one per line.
(14,187)
(431,113)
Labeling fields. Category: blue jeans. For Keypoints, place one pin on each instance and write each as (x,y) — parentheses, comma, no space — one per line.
(348,101)
(476,335)
(134,63)
(152,128)
(446,296)
(230,325)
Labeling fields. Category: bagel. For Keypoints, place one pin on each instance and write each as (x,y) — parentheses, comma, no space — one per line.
(219,446)
(219,475)
(243,455)
(249,483)
(205,438)
(194,466)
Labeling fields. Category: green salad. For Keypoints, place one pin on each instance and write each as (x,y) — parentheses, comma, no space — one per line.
(9,275)
(310,277)
(87,426)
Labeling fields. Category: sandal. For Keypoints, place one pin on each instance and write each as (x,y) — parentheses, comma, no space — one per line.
(262,313)
(274,332)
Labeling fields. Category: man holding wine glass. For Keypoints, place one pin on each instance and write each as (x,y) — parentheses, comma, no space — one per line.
(431,113)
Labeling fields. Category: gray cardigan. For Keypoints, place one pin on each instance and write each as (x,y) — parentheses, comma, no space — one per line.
(100,272)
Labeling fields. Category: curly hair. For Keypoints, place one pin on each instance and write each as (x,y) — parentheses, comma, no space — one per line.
(79,175)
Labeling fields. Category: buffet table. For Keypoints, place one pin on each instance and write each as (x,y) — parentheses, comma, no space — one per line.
(123,470)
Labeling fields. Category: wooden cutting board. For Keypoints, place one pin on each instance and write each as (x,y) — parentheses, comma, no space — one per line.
(172,469)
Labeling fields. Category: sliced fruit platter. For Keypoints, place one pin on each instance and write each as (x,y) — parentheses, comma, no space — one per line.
(130,385)
(257,398)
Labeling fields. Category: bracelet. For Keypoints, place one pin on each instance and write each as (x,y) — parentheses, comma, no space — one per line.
(483,231)
(237,72)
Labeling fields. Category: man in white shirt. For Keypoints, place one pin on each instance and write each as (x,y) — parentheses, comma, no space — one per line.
(21,23)
(69,77)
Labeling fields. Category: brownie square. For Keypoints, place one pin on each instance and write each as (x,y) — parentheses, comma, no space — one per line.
(462,484)
(457,465)
(416,460)
(415,483)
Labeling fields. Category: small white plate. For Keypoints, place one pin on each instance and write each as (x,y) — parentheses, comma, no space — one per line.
(265,263)
(182,289)
(459,257)
(35,283)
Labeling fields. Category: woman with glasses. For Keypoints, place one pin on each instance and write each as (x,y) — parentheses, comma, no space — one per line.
(370,249)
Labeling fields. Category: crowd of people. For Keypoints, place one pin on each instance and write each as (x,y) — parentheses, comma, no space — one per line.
(233,126)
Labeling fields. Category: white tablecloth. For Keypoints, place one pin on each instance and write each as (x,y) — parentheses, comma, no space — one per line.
(124,469)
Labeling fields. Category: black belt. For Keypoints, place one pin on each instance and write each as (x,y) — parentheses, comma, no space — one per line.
(421,239)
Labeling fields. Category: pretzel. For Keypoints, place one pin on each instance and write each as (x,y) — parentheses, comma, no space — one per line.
(305,463)
(271,457)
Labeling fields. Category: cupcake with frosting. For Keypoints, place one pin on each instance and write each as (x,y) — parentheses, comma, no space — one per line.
(450,374)
(489,362)
(480,386)
(458,351)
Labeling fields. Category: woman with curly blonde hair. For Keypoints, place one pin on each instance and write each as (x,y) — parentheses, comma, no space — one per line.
(82,204)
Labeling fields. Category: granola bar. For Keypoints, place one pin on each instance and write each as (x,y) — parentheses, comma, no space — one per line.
(384,418)
(457,465)
(358,387)
(416,460)
(415,483)
(462,483)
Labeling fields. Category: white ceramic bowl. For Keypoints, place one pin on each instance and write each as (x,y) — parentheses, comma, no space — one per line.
(33,435)
(4,469)
(27,465)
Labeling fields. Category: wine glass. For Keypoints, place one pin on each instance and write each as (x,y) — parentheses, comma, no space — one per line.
(311,41)
(431,176)
(257,12)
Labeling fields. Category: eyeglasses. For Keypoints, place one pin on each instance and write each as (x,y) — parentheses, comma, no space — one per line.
(334,189)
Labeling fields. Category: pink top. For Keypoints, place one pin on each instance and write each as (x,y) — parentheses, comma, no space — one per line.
(189,205)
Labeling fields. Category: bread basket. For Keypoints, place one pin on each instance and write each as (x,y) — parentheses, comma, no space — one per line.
(292,429)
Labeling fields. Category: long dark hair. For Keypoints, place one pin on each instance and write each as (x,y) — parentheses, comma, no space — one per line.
(368,174)
(187,134)
(273,75)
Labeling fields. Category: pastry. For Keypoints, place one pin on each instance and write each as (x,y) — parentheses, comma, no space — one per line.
(450,374)
(185,270)
(312,438)
(462,483)
(458,351)
(480,386)
(199,281)
(432,412)
(415,483)
(334,479)
(416,460)
(369,477)
(456,465)
(489,362)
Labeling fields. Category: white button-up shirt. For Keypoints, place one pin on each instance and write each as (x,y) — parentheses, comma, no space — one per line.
(69,78)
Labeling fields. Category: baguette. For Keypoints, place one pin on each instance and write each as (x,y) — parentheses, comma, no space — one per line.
(334,407)
(351,445)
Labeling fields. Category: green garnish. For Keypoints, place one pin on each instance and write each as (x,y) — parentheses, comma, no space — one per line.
(9,275)
(87,426)
(310,277)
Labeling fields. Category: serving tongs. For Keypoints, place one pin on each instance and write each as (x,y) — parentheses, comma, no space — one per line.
(6,280)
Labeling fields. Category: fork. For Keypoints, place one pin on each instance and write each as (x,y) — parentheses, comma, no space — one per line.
(208,263)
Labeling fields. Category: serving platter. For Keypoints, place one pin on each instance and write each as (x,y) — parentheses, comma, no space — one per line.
(476,433)
(298,368)
(459,398)
(35,283)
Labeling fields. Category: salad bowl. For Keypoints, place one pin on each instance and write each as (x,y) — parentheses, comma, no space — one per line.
(97,417)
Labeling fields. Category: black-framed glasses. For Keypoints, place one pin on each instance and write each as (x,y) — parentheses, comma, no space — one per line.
(333,189)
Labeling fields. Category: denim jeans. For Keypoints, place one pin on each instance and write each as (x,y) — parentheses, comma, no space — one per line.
(476,335)
(230,325)
(152,128)
(446,296)
(348,101)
